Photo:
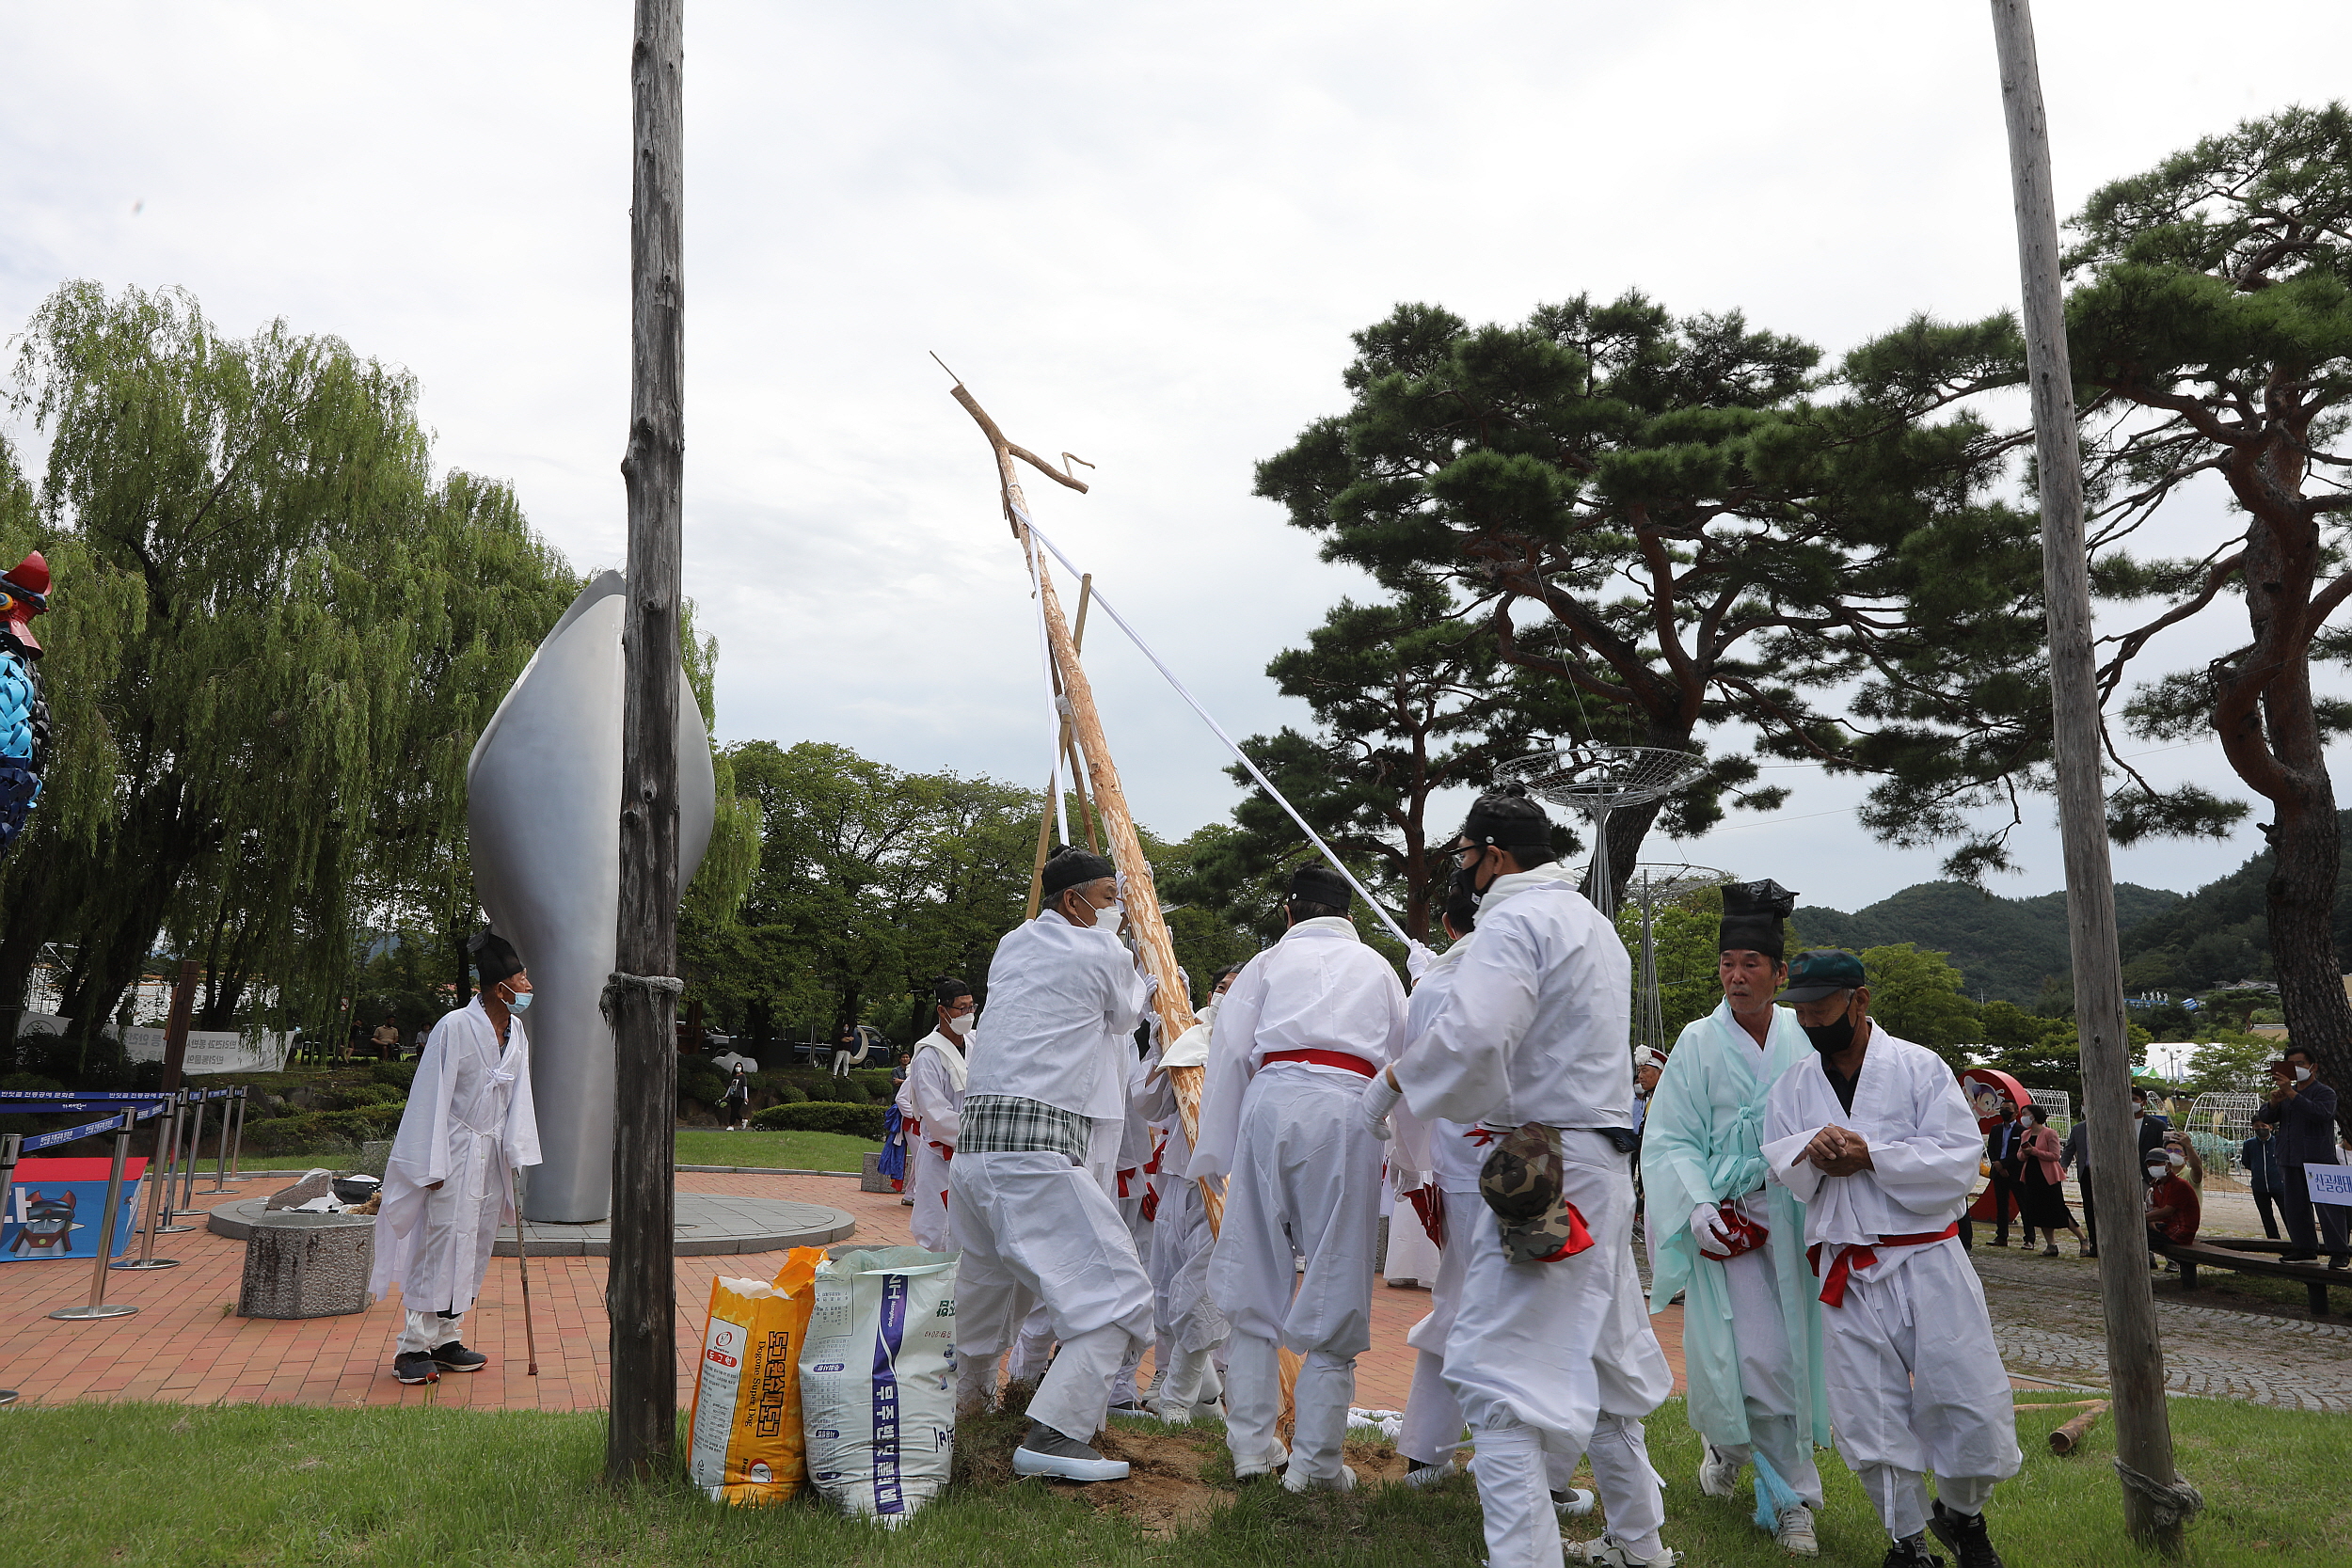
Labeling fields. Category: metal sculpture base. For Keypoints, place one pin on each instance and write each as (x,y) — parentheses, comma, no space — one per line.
(131,1263)
(707,1224)
(111,1309)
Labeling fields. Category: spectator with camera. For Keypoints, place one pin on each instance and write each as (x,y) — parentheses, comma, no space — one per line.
(2303,1109)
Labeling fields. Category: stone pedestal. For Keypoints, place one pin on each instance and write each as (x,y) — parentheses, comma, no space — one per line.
(307,1265)
(870,1178)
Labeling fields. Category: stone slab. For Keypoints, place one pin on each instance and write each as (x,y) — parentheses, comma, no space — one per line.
(708,1223)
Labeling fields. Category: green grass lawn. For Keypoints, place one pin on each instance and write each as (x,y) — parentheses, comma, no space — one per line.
(261,1486)
(696,1146)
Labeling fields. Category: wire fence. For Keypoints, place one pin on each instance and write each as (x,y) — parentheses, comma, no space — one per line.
(2219,1125)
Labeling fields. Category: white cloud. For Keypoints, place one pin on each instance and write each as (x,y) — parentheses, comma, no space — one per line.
(1142,232)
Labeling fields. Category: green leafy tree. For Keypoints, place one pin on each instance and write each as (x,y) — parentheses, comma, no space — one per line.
(1643,512)
(1683,937)
(275,636)
(2040,1053)
(1918,996)
(2232,1064)
(2209,329)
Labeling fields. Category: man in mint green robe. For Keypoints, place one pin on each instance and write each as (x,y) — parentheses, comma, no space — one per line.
(1751,1325)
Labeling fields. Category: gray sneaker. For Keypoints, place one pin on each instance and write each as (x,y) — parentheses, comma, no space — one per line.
(1047,1451)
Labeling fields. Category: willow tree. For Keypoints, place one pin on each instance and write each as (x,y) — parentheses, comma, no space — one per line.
(276,637)
(2210,326)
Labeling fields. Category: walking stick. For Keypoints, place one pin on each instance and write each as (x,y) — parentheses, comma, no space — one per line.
(522,1267)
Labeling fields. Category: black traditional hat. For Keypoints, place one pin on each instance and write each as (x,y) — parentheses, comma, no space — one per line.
(1508,819)
(493,956)
(1752,916)
(949,990)
(1072,866)
(1318,883)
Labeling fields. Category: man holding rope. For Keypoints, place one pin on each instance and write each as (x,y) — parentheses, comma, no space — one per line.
(469,1125)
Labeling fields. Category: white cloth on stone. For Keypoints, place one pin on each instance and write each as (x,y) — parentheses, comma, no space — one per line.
(469,1113)
(1916,1384)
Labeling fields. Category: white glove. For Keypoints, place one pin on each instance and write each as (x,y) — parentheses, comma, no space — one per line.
(1706,1229)
(1419,956)
(1380,1099)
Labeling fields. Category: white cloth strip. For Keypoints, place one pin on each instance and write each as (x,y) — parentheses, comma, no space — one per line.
(1239,756)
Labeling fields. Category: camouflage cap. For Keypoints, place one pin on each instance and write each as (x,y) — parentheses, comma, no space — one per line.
(1523,1183)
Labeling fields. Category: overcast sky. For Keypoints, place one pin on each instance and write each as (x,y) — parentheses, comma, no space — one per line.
(1141,233)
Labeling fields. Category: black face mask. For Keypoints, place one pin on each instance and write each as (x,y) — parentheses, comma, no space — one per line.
(1832,1037)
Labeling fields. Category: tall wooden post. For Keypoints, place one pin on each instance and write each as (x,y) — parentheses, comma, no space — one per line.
(641,1288)
(2135,1352)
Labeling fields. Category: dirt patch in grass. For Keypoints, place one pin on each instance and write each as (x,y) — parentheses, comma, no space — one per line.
(1166,1491)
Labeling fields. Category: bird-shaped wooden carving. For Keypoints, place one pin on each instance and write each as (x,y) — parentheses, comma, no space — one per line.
(24,716)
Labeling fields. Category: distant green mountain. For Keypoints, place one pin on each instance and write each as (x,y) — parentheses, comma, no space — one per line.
(2005,946)
(2221,933)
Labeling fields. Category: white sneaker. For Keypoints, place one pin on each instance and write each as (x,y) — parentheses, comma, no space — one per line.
(1429,1475)
(1173,1414)
(1028,1462)
(1275,1459)
(1343,1481)
(1717,1477)
(1610,1550)
(1572,1504)
(1794,1532)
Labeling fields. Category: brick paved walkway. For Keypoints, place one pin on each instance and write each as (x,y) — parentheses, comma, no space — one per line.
(184,1346)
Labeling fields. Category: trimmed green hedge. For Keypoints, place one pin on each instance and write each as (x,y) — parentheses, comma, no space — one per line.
(322,1131)
(823,1116)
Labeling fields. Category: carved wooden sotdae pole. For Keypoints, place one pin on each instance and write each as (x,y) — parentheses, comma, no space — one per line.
(642,1290)
(1173,1002)
(2135,1353)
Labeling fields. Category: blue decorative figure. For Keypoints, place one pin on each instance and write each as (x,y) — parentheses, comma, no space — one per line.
(24,716)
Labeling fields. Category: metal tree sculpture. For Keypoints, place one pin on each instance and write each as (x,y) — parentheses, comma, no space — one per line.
(1650,886)
(1598,780)
(24,715)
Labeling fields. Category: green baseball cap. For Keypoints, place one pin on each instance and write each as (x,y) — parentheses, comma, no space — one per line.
(1818,972)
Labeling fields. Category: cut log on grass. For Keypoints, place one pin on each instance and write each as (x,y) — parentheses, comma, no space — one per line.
(2067,1438)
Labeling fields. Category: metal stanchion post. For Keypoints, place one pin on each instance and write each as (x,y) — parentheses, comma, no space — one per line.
(196,1142)
(10,1145)
(236,1146)
(220,1154)
(165,1224)
(98,1308)
(146,1258)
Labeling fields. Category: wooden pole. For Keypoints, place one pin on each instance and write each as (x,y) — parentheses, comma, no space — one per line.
(2135,1352)
(640,1283)
(1045,809)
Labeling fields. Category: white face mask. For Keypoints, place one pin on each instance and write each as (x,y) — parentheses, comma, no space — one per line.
(1110,914)
(2156,1173)
(2302,1075)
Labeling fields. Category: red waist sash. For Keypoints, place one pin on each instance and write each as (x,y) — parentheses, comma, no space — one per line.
(1340,1059)
(1851,1257)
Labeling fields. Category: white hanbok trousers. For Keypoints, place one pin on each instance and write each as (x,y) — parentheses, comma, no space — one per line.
(1558,1358)
(1916,1384)
(1039,1230)
(927,1183)
(1306,1177)
(1767,1385)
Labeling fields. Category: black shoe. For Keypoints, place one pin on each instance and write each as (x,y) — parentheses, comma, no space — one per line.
(416,1366)
(455,1358)
(1911,1552)
(2340,1263)
(1965,1533)
(2299,1258)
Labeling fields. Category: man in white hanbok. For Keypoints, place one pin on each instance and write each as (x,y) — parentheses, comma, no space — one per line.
(1028,1193)
(931,1103)
(1447,1202)
(1308,1021)
(1733,1245)
(450,1180)
(1190,1328)
(1876,1139)
(1554,1355)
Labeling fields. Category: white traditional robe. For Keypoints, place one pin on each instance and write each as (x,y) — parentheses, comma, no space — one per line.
(1184,1316)
(1914,1383)
(931,1100)
(1304,1180)
(468,1124)
(1546,1358)
(1040,1229)
(1751,1328)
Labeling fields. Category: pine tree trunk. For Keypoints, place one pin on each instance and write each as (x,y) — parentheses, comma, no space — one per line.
(2307,850)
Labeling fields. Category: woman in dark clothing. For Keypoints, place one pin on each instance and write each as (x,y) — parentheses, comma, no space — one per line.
(2043,1201)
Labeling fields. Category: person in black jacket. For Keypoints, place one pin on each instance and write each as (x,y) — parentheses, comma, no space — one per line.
(2259,1156)
(2004,1146)
(2303,1110)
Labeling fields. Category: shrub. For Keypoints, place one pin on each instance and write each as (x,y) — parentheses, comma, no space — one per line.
(822,1115)
(401,1076)
(30,1083)
(699,1081)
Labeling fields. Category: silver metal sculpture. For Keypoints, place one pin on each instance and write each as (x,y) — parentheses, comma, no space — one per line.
(1598,780)
(542,812)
